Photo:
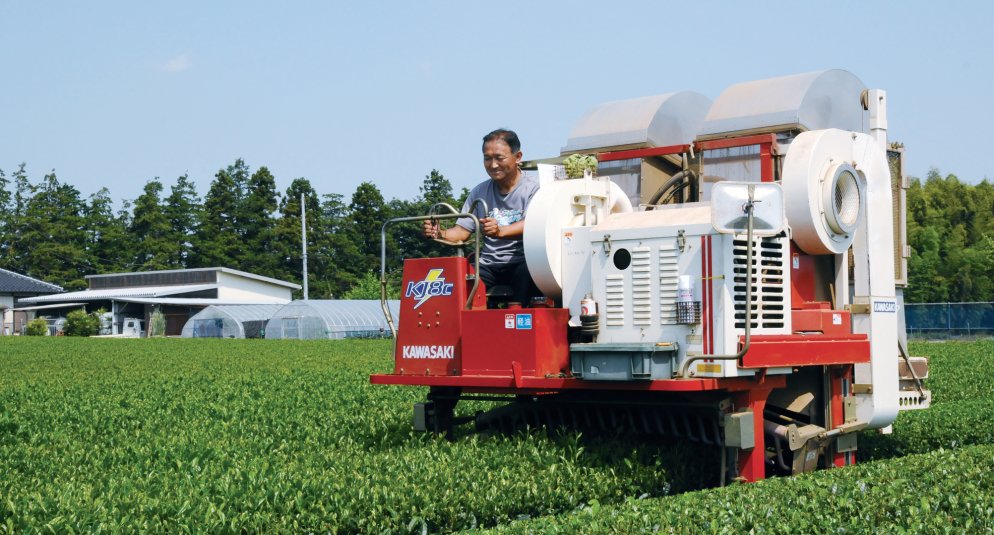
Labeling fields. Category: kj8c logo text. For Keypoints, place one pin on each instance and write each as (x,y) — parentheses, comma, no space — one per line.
(432,285)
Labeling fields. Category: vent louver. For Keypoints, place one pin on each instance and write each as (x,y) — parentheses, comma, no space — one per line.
(641,286)
(768,283)
(614,308)
(668,276)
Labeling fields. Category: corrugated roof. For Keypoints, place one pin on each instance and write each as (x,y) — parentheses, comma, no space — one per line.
(244,274)
(113,293)
(11,282)
(46,307)
(202,301)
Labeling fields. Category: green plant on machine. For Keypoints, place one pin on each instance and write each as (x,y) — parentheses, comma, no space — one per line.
(576,164)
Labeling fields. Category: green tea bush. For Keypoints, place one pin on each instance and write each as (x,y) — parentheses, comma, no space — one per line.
(938,492)
(933,474)
(958,371)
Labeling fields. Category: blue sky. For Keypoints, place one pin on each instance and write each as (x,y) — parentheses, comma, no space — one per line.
(117,93)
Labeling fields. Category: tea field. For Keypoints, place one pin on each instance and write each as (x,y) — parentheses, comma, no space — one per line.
(171,435)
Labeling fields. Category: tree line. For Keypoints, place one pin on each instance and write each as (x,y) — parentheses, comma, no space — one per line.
(951,233)
(50,232)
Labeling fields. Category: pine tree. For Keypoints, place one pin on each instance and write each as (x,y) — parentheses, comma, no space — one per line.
(367,213)
(337,262)
(218,240)
(108,245)
(154,246)
(16,221)
(53,237)
(183,210)
(257,225)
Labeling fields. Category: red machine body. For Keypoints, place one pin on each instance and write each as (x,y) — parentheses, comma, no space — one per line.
(438,336)
(434,293)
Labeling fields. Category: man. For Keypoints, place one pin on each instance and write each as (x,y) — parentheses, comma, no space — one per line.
(507,194)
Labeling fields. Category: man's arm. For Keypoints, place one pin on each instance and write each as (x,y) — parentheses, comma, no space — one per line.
(514,231)
(454,234)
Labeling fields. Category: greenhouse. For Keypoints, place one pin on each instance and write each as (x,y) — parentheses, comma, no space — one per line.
(338,318)
(230,321)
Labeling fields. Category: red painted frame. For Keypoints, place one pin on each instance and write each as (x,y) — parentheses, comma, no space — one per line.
(642,153)
(526,385)
(767,149)
(780,350)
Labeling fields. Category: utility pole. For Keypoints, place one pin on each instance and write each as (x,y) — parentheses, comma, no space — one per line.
(303,239)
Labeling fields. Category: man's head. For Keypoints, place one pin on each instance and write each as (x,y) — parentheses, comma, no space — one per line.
(502,154)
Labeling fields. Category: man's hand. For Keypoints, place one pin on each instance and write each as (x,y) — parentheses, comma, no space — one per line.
(431,229)
(490,227)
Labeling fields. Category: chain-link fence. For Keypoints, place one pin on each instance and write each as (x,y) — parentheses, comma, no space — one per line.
(949,320)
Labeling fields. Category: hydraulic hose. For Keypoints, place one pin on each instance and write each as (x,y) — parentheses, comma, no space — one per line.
(674,180)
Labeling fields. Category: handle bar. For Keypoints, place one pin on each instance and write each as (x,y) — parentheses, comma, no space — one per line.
(453,214)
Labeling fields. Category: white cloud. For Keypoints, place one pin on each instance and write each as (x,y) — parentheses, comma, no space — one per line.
(179,63)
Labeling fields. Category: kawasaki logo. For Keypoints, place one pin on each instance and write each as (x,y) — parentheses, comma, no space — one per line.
(429,352)
(433,284)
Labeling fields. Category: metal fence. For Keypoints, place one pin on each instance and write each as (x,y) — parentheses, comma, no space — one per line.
(949,320)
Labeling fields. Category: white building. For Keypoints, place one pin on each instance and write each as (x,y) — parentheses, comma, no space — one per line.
(177,293)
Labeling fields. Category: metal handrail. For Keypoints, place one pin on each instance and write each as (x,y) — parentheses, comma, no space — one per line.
(454,214)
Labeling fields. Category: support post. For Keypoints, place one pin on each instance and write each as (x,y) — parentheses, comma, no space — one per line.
(752,462)
(303,239)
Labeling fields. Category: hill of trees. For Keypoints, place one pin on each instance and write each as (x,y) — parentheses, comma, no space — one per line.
(48,231)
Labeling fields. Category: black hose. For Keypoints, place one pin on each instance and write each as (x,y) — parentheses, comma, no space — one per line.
(674,180)
(679,187)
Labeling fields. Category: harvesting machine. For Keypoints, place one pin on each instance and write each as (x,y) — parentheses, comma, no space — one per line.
(732,274)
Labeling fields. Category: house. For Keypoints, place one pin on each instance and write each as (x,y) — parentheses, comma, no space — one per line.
(178,294)
(14,287)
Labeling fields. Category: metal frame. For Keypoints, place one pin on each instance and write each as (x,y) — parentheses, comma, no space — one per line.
(454,214)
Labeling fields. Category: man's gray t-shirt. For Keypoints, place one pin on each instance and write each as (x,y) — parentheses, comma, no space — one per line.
(506,210)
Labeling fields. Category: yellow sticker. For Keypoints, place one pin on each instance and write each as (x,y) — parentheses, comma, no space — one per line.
(708,368)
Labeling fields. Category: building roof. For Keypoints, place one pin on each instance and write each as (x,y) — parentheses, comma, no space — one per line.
(11,282)
(46,307)
(203,301)
(114,293)
(244,274)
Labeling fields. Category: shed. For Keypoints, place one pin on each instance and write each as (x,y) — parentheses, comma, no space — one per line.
(337,318)
(230,321)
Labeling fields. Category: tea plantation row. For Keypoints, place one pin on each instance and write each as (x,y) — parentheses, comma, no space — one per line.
(934,474)
(281,436)
(256,435)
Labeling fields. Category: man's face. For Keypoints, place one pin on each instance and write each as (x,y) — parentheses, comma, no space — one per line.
(500,162)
